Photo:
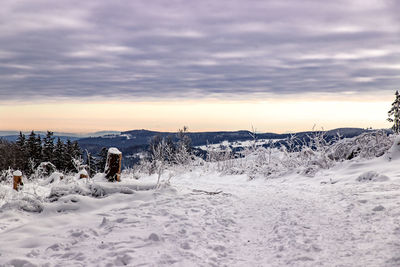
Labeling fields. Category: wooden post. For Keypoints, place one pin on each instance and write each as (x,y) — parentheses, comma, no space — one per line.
(17,180)
(113,165)
(83,174)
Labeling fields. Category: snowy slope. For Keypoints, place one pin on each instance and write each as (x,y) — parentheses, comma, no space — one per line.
(348,215)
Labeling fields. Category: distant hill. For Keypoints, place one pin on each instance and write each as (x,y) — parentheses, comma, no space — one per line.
(13,138)
(13,135)
(136,140)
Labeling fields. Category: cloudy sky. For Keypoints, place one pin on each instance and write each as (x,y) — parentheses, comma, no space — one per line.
(116,65)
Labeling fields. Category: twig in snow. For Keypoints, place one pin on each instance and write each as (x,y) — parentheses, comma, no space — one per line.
(207,192)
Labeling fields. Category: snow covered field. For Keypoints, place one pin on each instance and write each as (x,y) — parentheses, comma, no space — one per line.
(348,215)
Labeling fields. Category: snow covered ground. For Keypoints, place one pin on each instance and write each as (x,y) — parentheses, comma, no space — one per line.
(348,215)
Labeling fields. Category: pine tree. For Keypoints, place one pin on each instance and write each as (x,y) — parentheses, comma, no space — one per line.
(68,156)
(31,146)
(77,151)
(22,157)
(21,140)
(38,155)
(91,163)
(395,113)
(58,155)
(101,159)
(48,147)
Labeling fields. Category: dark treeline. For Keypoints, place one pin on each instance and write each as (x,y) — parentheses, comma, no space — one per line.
(28,152)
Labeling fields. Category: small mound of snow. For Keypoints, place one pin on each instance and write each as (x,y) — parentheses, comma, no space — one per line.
(20,263)
(63,190)
(55,177)
(394,152)
(97,190)
(372,176)
(17,173)
(114,150)
(103,190)
(26,203)
(83,172)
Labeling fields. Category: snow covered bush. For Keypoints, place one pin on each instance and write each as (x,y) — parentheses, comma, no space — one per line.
(6,175)
(44,169)
(25,202)
(372,176)
(367,145)
(302,156)
(394,152)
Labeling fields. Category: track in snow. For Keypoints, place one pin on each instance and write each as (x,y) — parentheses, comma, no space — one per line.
(257,223)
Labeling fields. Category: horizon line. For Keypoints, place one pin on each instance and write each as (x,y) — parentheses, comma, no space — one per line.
(83,134)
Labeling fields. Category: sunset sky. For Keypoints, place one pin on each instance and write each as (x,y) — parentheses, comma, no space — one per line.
(284,65)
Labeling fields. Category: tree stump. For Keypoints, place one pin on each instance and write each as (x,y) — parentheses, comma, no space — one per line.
(113,165)
(17,180)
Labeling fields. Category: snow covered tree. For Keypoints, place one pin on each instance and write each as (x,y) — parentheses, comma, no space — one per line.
(184,140)
(101,159)
(182,153)
(38,156)
(68,156)
(59,155)
(21,140)
(154,142)
(31,144)
(22,155)
(48,147)
(77,151)
(72,152)
(394,114)
(91,164)
(34,149)
(7,154)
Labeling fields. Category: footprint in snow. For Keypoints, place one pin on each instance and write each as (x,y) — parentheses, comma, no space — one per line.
(379,208)
(185,246)
(123,260)
(120,220)
(19,262)
(305,258)
(154,237)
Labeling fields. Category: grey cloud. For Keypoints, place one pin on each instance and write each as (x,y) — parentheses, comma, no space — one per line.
(156,49)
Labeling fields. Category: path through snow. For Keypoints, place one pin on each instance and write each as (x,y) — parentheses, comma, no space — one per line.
(281,222)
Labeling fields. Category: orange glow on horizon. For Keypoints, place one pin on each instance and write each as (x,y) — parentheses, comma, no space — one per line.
(276,115)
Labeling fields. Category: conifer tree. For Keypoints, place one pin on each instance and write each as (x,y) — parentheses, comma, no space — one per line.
(21,140)
(31,146)
(101,159)
(59,159)
(394,114)
(31,143)
(38,156)
(77,151)
(72,151)
(68,156)
(48,147)
(22,155)
(91,163)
